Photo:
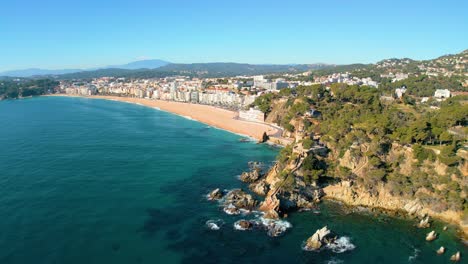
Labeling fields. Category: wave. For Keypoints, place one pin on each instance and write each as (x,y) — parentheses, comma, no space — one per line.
(230,209)
(188,117)
(157,108)
(334,261)
(214,224)
(341,245)
(275,227)
(237,226)
(414,256)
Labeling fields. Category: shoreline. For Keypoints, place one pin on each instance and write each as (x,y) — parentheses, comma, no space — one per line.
(394,205)
(223,119)
(215,117)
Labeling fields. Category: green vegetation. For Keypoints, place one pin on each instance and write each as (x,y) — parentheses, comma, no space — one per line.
(10,89)
(423,85)
(264,102)
(355,122)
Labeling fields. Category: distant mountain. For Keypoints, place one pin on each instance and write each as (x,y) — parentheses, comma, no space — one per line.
(216,69)
(219,69)
(143,64)
(34,71)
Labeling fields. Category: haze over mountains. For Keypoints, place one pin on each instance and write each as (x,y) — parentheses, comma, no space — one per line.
(142,64)
(159,68)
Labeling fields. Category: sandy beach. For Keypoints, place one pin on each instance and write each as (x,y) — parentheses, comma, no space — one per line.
(213,116)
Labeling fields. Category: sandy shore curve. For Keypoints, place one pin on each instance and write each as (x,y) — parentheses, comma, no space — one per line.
(210,115)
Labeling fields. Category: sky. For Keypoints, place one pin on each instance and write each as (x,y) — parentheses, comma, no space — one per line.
(53,34)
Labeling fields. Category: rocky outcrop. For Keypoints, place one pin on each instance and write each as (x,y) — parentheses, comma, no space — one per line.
(243,225)
(424,223)
(259,187)
(238,199)
(456,257)
(440,251)
(413,207)
(270,206)
(250,176)
(431,236)
(358,196)
(320,238)
(301,198)
(216,194)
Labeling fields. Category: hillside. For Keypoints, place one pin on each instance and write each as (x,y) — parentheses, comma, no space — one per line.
(195,70)
(36,72)
(368,152)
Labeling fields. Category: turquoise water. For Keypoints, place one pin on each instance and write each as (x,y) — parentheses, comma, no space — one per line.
(94,181)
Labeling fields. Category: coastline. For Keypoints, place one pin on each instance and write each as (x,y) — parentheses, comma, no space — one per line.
(216,117)
(226,120)
(390,204)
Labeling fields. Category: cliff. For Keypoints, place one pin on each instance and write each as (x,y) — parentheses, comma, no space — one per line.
(356,149)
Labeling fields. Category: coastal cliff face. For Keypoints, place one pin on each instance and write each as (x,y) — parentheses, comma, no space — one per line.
(427,200)
(362,169)
(358,196)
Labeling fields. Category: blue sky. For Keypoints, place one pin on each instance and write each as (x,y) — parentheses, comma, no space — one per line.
(86,33)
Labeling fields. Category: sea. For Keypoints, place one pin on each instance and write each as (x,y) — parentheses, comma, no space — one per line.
(97,181)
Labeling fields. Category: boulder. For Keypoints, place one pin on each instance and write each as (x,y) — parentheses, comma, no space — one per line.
(275,229)
(431,236)
(239,199)
(318,239)
(302,198)
(243,225)
(260,188)
(456,257)
(251,176)
(424,223)
(440,251)
(445,228)
(413,207)
(216,194)
(231,209)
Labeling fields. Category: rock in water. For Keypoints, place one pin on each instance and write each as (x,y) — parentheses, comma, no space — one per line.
(316,241)
(239,200)
(242,225)
(445,228)
(431,236)
(260,188)
(251,176)
(440,251)
(216,194)
(424,223)
(456,257)
(264,138)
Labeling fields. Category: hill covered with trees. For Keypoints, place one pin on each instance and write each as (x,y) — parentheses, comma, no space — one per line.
(379,153)
(10,89)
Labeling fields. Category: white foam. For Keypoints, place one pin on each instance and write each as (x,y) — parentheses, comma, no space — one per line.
(414,256)
(157,108)
(214,224)
(231,212)
(275,227)
(341,245)
(188,117)
(282,223)
(244,211)
(334,261)
(237,226)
